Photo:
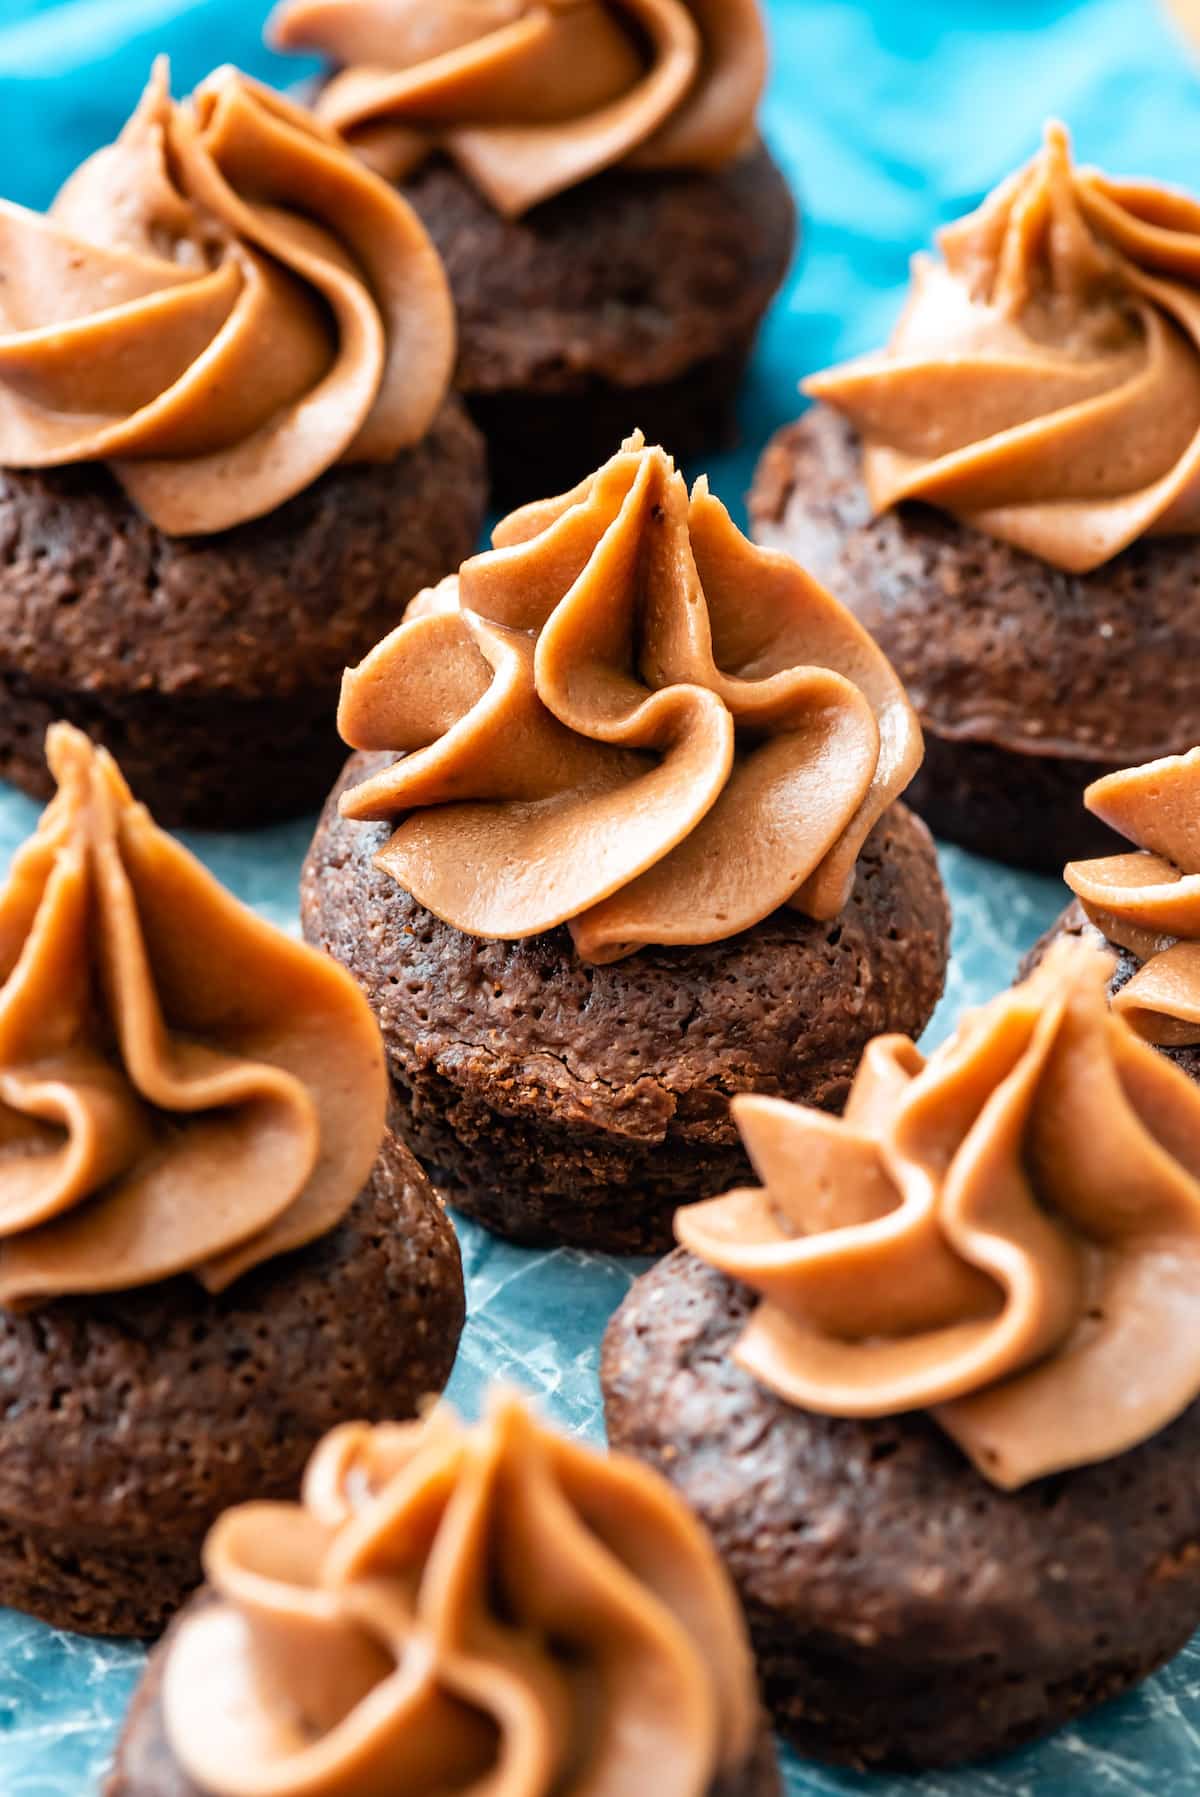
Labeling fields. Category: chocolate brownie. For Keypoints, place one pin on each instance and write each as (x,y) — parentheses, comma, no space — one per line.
(562,1102)
(146,1767)
(210,665)
(631,301)
(1074,921)
(904,1612)
(1030,682)
(131,1420)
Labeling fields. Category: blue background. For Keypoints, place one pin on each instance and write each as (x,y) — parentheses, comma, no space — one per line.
(890,119)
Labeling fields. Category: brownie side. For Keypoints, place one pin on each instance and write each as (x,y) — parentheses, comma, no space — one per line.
(541,443)
(1029,681)
(210,665)
(208,762)
(557,1101)
(631,278)
(904,1612)
(631,301)
(129,1421)
(146,1766)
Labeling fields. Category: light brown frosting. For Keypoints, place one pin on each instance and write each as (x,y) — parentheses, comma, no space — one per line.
(488,1612)
(182,1088)
(530,97)
(220,306)
(1149,903)
(1043,383)
(627,718)
(1007,1233)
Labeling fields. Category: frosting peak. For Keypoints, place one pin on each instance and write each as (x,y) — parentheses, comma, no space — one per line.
(627,718)
(531,97)
(182,1088)
(1149,903)
(1008,1233)
(1043,382)
(478,1611)
(220,306)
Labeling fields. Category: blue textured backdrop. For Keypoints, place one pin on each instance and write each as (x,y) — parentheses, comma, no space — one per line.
(891,117)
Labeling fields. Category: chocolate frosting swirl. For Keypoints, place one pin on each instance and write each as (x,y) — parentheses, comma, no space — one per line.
(531,97)
(627,718)
(495,1610)
(1008,1233)
(1149,903)
(220,306)
(1043,383)
(182,1088)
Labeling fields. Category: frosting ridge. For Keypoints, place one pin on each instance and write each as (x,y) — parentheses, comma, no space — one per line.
(530,97)
(1043,382)
(1149,902)
(459,1610)
(169,1096)
(1007,1234)
(221,306)
(627,718)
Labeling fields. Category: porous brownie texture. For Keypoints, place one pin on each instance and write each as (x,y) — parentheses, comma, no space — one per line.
(146,1767)
(210,666)
(130,1420)
(561,1102)
(905,1613)
(1030,682)
(633,300)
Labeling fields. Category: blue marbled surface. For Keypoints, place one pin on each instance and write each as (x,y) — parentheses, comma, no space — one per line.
(891,117)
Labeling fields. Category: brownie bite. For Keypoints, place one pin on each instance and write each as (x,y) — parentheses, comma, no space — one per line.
(933,1387)
(990,498)
(611,256)
(580,1631)
(214,1246)
(556,1100)
(1144,905)
(643,853)
(263,463)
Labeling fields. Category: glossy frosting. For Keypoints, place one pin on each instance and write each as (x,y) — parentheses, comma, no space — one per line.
(220,306)
(531,97)
(1150,902)
(182,1088)
(627,718)
(488,1612)
(1007,1234)
(1043,383)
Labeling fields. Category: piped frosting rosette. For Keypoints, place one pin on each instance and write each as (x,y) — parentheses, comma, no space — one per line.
(628,718)
(182,1088)
(530,97)
(1149,902)
(1043,383)
(479,1611)
(221,306)
(1007,1234)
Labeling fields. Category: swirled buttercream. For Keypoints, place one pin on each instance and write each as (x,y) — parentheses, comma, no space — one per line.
(531,97)
(493,1610)
(627,718)
(1007,1234)
(1149,902)
(220,306)
(182,1088)
(1043,383)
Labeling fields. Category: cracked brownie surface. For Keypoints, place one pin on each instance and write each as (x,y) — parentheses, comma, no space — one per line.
(130,1420)
(562,1102)
(209,666)
(904,1611)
